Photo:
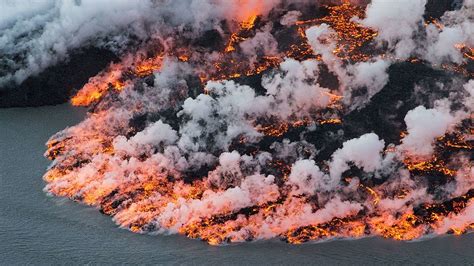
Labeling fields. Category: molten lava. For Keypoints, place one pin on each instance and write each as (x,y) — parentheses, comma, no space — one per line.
(180,160)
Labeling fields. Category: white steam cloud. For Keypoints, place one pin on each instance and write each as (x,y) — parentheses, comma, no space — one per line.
(224,161)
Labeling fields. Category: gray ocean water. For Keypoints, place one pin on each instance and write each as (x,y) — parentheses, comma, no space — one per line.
(39,229)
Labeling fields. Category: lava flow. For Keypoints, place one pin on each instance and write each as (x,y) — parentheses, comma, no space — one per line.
(290,121)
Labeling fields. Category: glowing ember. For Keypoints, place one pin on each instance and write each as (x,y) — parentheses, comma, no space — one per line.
(187,149)
(351,36)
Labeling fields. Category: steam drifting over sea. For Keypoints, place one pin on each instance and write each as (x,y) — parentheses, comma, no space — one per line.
(232,121)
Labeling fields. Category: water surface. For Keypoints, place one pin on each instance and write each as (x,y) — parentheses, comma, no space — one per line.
(39,229)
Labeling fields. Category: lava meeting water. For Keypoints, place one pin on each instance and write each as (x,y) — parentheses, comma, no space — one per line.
(39,229)
(292,120)
(182,142)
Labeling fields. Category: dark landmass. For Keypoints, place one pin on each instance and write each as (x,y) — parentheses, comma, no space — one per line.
(56,84)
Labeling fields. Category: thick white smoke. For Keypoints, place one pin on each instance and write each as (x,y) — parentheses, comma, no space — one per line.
(225,161)
(425,125)
(365,152)
(458,221)
(54,29)
(400,25)
(322,41)
(443,42)
(307,177)
(35,35)
(396,22)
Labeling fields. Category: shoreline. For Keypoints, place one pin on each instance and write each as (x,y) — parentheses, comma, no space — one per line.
(40,229)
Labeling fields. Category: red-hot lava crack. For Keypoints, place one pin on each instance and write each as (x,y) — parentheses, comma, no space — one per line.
(268,132)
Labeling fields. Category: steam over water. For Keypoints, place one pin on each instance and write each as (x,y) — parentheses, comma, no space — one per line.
(37,229)
(252,120)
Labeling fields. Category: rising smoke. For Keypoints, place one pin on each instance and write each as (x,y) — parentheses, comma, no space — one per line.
(180,138)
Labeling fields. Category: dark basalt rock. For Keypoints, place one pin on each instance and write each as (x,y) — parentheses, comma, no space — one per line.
(436,8)
(385,112)
(57,83)
(210,39)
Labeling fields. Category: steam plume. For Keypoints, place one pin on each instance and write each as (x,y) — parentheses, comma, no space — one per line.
(231,121)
